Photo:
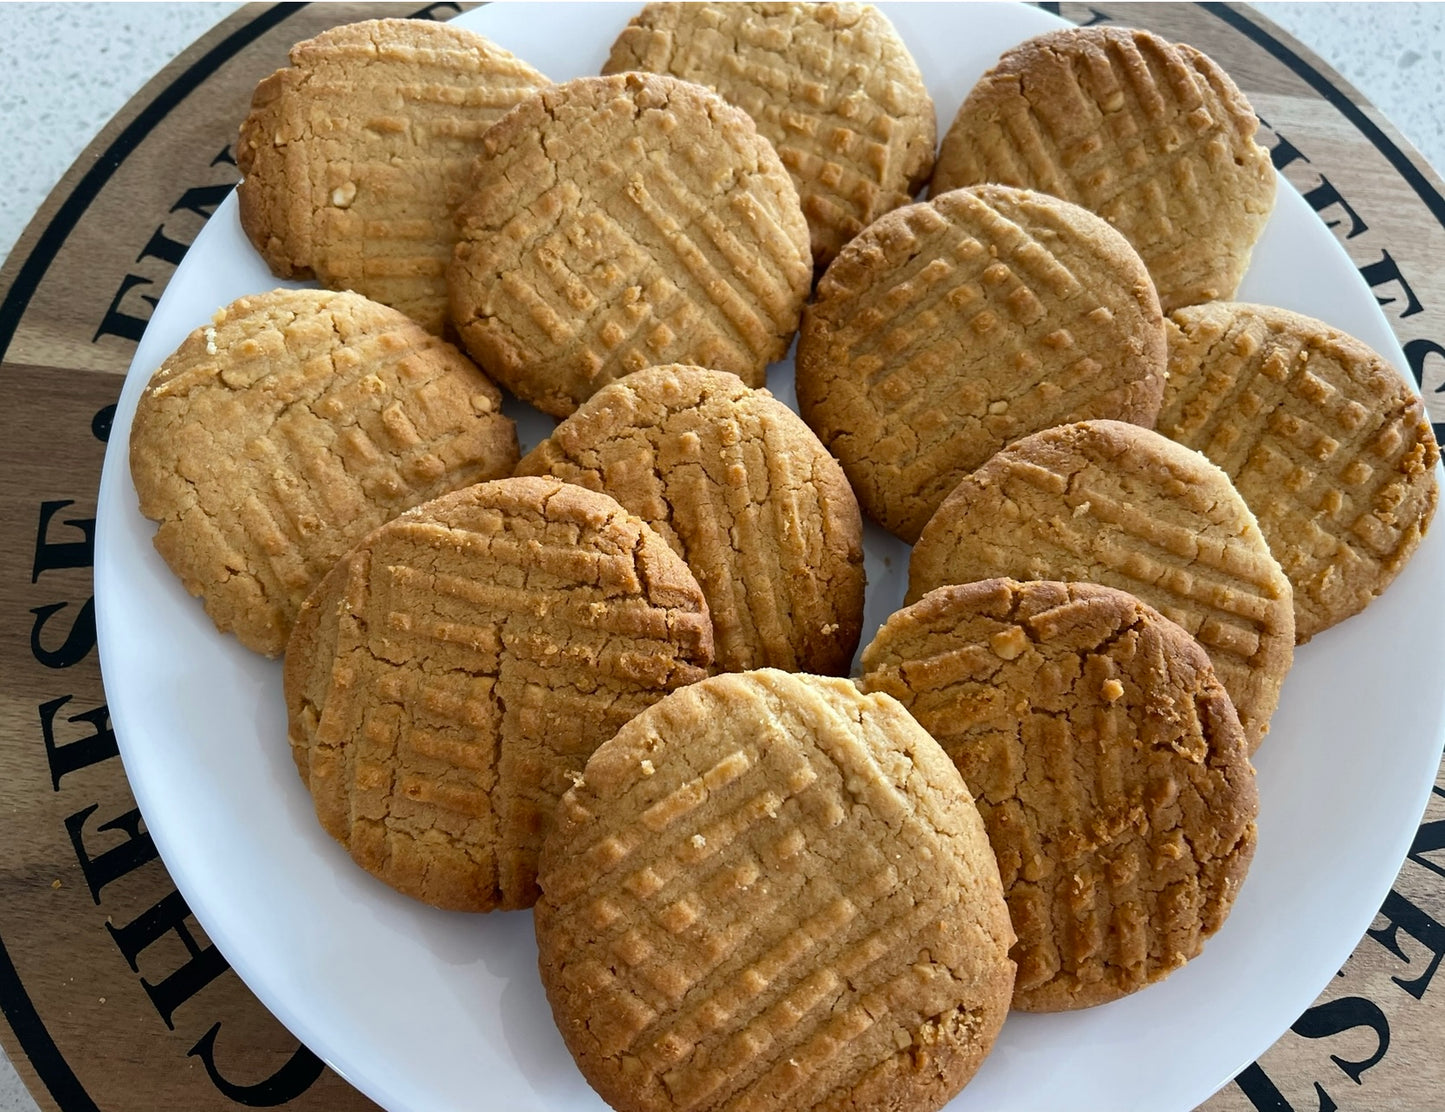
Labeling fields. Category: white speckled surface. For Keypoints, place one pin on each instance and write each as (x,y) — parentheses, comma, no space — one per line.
(68,68)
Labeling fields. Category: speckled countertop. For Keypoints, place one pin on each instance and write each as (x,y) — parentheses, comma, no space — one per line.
(68,68)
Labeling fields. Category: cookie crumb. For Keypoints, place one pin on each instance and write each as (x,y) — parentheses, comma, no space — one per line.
(1112,690)
(647,768)
(210,341)
(343,195)
(1009,643)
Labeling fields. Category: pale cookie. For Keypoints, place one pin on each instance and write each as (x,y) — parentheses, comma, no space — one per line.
(771,892)
(831,86)
(283,432)
(1324,439)
(950,328)
(459,663)
(1110,503)
(1107,762)
(617,223)
(357,155)
(1151,135)
(741,489)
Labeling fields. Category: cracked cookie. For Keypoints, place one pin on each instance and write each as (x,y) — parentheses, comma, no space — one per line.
(1151,135)
(280,434)
(1108,765)
(1110,503)
(454,668)
(617,223)
(741,489)
(950,328)
(356,156)
(1323,438)
(831,86)
(770,891)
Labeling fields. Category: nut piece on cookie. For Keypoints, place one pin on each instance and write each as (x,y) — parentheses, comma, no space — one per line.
(617,223)
(1110,503)
(797,908)
(284,431)
(948,329)
(1151,135)
(1326,441)
(831,86)
(743,491)
(356,156)
(1108,765)
(455,667)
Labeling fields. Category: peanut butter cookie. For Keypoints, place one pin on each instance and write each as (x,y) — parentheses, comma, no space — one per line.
(617,223)
(950,328)
(1107,762)
(1151,135)
(1324,439)
(454,667)
(770,891)
(356,156)
(283,432)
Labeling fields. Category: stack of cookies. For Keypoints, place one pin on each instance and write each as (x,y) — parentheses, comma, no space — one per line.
(602,679)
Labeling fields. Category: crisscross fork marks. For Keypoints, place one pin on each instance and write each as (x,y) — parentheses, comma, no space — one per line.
(489,641)
(831,86)
(743,491)
(277,436)
(1152,136)
(1109,503)
(737,907)
(947,330)
(355,156)
(1323,439)
(1109,767)
(668,172)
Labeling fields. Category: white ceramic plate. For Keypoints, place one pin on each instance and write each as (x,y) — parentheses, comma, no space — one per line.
(427,1011)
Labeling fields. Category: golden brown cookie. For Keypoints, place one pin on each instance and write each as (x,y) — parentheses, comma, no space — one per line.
(831,86)
(1151,135)
(741,489)
(357,155)
(772,892)
(1108,764)
(950,328)
(288,428)
(1324,439)
(1110,503)
(459,663)
(616,223)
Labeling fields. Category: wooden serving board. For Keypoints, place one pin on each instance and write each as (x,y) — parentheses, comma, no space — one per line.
(113,996)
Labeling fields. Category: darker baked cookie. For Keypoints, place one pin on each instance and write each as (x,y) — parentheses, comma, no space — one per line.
(770,891)
(616,223)
(948,329)
(1324,439)
(1151,135)
(462,660)
(741,489)
(1110,503)
(1106,760)
(356,156)
(283,432)
(831,86)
